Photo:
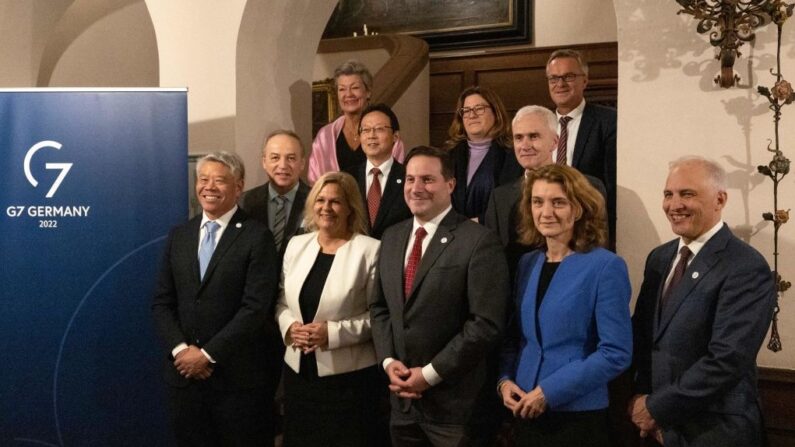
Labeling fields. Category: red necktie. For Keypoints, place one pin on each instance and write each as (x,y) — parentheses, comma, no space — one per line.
(679,272)
(563,140)
(374,196)
(414,260)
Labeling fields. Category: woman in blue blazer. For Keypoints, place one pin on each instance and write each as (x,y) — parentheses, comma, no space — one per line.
(572,331)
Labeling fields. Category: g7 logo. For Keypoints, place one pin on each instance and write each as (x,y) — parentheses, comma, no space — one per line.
(64,167)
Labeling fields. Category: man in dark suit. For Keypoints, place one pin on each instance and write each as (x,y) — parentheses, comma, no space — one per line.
(279,203)
(216,289)
(439,307)
(535,139)
(587,131)
(701,316)
(380,178)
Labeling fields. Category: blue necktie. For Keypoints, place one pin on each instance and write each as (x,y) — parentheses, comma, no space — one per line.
(207,246)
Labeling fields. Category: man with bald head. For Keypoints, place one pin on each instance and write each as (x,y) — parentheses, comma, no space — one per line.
(279,203)
(702,313)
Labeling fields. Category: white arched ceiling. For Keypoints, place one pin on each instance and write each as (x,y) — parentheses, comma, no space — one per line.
(276,49)
(108,43)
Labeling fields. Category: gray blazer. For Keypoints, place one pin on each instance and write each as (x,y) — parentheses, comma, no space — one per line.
(697,360)
(452,318)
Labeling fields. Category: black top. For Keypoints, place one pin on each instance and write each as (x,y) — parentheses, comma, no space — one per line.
(347,157)
(308,299)
(547,272)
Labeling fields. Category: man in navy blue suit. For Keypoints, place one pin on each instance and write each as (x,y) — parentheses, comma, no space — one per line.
(587,131)
(702,314)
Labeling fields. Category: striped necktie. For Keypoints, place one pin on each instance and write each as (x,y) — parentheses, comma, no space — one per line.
(563,140)
(279,221)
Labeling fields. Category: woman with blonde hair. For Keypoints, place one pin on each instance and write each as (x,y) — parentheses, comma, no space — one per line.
(330,379)
(571,331)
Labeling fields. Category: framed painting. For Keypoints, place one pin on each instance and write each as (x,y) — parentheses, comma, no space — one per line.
(444,24)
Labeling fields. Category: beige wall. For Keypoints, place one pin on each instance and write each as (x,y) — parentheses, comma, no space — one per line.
(249,68)
(669,107)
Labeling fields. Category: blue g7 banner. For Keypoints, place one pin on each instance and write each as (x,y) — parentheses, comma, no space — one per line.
(90,183)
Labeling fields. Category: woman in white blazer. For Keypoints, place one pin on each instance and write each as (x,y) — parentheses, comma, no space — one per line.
(330,378)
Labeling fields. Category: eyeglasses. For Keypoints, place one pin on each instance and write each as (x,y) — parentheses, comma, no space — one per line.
(380,130)
(478,110)
(568,78)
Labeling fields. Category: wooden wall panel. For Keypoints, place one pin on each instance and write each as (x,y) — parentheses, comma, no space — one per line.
(777,391)
(518,76)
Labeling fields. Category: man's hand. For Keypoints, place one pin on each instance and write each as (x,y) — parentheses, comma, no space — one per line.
(531,405)
(193,364)
(398,384)
(641,417)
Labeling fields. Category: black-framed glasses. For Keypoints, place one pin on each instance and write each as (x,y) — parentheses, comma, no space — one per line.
(478,110)
(568,78)
(380,130)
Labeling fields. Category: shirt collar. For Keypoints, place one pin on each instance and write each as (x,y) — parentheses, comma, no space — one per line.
(697,244)
(222,221)
(432,224)
(272,194)
(576,113)
(384,167)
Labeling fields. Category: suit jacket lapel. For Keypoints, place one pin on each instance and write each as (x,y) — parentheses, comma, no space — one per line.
(296,212)
(396,266)
(583,132)
(392,191)
(193,247)
(695,272)
(441,239)
(232,231)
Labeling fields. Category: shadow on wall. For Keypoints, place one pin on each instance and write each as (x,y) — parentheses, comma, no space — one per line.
(635,227)
(675,37)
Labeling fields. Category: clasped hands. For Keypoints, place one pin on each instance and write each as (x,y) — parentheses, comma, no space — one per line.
(193,364)
(309,337)
(406,382)
(525,405)
(642,418)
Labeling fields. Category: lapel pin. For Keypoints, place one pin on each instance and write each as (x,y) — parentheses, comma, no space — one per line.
(695,275)
(238,225)
(444,240)
(399,181)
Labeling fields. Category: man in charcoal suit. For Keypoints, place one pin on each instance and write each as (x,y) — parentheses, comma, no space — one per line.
(380,178)
(279,203)
(439,308)
(587,131)
(216,287)
(702,313)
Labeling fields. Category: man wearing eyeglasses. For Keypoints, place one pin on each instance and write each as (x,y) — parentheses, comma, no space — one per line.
(587,131)
(380,178)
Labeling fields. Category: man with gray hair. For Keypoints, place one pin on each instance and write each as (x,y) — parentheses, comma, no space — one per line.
(534,141)
(702,313)
(216,288)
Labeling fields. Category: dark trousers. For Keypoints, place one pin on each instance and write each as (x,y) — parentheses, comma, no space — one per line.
(564,429)
(413,430)
(203,416)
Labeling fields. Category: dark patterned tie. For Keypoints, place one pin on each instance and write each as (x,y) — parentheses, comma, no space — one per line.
(207,246)
(563,140)
(278,221)
(374,196)
(414,261)
(679,272)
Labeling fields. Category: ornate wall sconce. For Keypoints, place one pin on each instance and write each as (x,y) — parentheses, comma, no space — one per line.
(731,23)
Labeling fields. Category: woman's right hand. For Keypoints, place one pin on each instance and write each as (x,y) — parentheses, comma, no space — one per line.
(298,335)
(511,395)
